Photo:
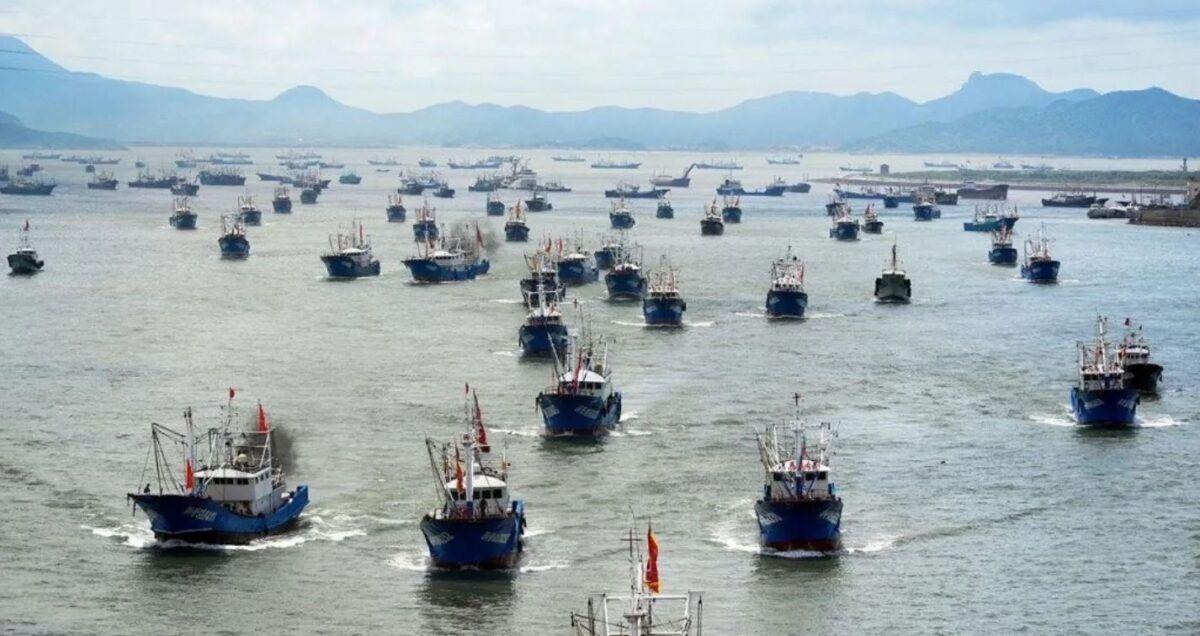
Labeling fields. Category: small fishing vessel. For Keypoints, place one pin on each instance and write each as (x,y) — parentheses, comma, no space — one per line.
(233,489)
(395,209)
(282,201)
(553,186)
(733,187)
(349,256)
(1101,397)
(576,267)
(538,203)
(731,212)
(1072,200)
(185,187)
(940,163)
(182,216)
(719,165)
(865,192)
(989,219)
(28,187)
(625,280)
(871,224)
(102,181)
(542,279)
(25,259)
(1133,354)
(642,610)
(799,509)
(233,241)
(425,227)
(800,187)
(427,163)
(1039,266)
(308,195)
(516,230)
(490,163)
(543,333)
(581,400)
(712,224)
(632,191)
(663,305)
(331,165)
(787,298)
(1002,164)
(495,207)
(606,254)
(668,181)
(476,524)
(147,179)
(444,191)
(845,227)
(568,158)
(349,178)
(857,169)
(222,177)
(1002,251)
(785,161)
(249,213)
(457,257)
(837,207)
(664,210)
(608,164)
(893,285)
(390,161)
(620,217)
(924,209)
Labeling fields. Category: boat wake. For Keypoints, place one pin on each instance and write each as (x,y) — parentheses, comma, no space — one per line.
(1159,421)
(506,354)
(312,527)
(629,416)
(413,560)
(508,301)
(1053,420)
(553,565)
(518,433)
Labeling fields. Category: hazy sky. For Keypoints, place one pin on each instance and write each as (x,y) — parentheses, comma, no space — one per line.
(681,54)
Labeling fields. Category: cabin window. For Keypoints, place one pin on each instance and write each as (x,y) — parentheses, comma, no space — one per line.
(498,493)
(822,475)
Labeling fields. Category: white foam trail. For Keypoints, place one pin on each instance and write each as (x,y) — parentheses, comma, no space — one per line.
(629,416)
(1052,420)
(517,433)
(631,433)
(624,323)
(874,545)
(507,354)
(817,315)
(139,536)
(1159,421)
(750,314)
(508,301)
(708,323)
(555,565)
(413,562)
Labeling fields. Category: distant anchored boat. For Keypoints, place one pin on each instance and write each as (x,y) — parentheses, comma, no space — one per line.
(477,524)
(998,192)
(349,256)
(632,191)
(1072,200)
(608,164)
(1101,396)
(102,181)
(28,187)
(668,181)
(232,489)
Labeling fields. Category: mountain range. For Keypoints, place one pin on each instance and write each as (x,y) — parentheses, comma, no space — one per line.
(995,112)
(14,134)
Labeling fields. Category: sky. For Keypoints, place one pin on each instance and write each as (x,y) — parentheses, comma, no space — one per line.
(575,54)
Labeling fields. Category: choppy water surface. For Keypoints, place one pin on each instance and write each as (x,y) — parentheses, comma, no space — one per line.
(972,504)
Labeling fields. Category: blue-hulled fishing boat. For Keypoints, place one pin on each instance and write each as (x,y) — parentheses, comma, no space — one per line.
(731,212)
(182,216)
(845,227)
(542,278)
(1002,251)
(282,201)
(477,524)
(425,227)
(620,216)
(663,305)
(495,207)
(787,298)
(988,219)
(232,490)
(248,213)
(1039,266)
(454,258)
(837,207)
(799,509)
(924,209)
(396,213)
(543,333)
(233,241)
(581,401)
(1101,397)
(349,256)
(625,280)
(576,267)
(516,230)
(606,254)
(538,203)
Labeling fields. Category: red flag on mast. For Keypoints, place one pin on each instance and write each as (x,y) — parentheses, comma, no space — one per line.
(652,582)
(262,419)
(458,473)
(480,431)
(189,475)
(232,392)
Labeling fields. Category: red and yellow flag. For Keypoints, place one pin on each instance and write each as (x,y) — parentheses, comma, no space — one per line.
(652,582)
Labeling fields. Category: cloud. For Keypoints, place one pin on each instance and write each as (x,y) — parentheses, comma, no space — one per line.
(572,54)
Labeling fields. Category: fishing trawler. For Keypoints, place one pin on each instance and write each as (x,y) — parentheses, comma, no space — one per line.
(719,165)
(625,280)
(1133,354)
(542,279)
(620,217)
(349,256)
(282,201)
(924,209)
(799,509)
(185,187)
(395,209)
(455,258)
(606,254)
(845,227)
(516,230)
(608,164)
(1039,266)
(308,195)
(568,158)
(538,203)
(633,191)
(664,210)
(969,190)
(222,177)
(784,161)
(102,181)
(712,224)
(25,260)
(668,181)
(182,217)
(643,610)
(427,163)
(425,226)
(581,401)
(837,207)
(146,179)
(733,187)
(495,207)
(486,184)
(1002,251)
(248,212)
(787,298)
(349,178)
(663,305)
(233,241)
(988,219)
(893,285)
(543,333)
(576,267)
(732,210)
(390,161)
(476,524)
(233,490)
(27,187)
(1072,200)
(1101,397)
(871,224)
(443,191)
